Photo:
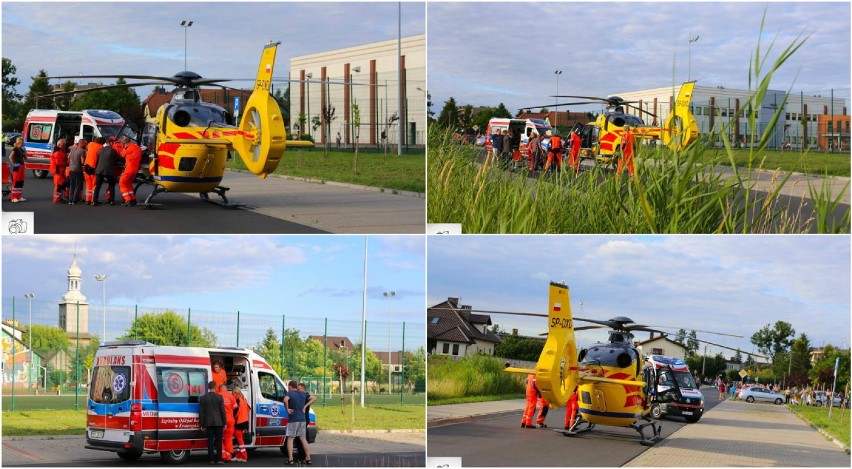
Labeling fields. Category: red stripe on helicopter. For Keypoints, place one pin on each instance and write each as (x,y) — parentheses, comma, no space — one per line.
(185,135)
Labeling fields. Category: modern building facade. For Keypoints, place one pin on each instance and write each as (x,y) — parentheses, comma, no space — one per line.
(715,107)
(366,76)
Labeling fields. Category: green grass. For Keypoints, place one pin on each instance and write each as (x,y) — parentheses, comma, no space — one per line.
(473,376)
(372,400)
(816,163)
(466,399)
(371,417)
(837,427)
(44,422)
(29,402)
(404,173)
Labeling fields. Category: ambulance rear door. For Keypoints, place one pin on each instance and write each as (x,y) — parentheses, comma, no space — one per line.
(108,409)
(181,377)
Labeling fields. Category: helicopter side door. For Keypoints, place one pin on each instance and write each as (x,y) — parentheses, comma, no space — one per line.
(148,142)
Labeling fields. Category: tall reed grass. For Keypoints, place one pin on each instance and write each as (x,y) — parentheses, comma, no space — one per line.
(476,375)
(673,191)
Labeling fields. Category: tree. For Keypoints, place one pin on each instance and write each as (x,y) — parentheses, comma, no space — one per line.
(449,116)
(519,348)
(373,368)
(680,337)
(356,125)
(692,342)
(12,115)
(328,115)
(544,110)
(87,354)
(270,349)
(168,328)
(429,110)
(822,372)
(501,111)
(46,339)
(466,118)
(316,122)
(774,339)
(738,358)
(415,367)
(122,100)
(39,87)
(63,103)
(283,100)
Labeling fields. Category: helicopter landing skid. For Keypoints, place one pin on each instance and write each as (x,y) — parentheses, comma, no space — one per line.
(158,189)
(221,192)
(655,429)
(576,429)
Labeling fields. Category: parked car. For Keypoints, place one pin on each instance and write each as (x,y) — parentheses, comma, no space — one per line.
(761,394)
(819,399)
(837,401)
(11,137)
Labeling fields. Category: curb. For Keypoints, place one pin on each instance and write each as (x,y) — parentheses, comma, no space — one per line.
(333,432)
(467,418)
(419,195)
(822,432)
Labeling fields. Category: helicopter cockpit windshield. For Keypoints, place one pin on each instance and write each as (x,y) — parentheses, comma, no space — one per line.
(621,120)
(605,355)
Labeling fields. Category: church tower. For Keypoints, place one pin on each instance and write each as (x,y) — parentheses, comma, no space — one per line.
(68,309)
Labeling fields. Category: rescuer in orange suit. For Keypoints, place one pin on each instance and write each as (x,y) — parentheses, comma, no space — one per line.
(132,154)
(555,151)
(571,410)
(574,157)
(219,375)
(532,398)
(58,165)
(242,424)
(228,431)
(543,408)
(628,143)
(90,164)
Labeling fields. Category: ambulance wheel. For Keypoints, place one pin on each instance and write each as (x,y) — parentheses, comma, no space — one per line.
(175,457)
(656,411)
(130,455)
(40,173)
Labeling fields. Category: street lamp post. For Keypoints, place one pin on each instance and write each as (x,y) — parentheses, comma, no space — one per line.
(556,98)
(102,278)
(30,297)
(185,24)
(388,295)
(704,361)
(691,40)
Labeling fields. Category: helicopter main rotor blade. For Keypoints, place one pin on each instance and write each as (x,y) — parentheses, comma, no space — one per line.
(733,349)
(538,315)
(100,88)
(642,110)
(636,326)
(596,98)
(134,77)
(577,103)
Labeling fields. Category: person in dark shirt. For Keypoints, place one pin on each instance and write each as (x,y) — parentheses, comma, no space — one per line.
(297,403)
(211,419)
(105,172)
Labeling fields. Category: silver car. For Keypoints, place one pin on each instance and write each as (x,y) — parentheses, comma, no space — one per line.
(761,394)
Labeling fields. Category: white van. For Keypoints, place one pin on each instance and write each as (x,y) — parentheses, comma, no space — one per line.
(144,398)
(44,127)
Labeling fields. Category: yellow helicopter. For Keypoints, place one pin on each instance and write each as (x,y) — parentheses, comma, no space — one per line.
(615,385)
(601,139)
(188,142)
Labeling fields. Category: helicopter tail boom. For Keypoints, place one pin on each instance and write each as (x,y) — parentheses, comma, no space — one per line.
(262,121)
(680,130)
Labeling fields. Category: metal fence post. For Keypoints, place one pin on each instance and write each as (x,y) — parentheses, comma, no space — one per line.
(238,328)
(324,360)
(188,324)
(136,322)
(283,328)
(402,366)
(14,326)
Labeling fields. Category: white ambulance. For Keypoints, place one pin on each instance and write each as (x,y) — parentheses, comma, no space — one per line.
(144,398)
(44,127)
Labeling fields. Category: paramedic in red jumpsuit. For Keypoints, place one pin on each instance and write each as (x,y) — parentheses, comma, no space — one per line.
(574,157)
(628,143)
(132,154)
(228,431)
(571,410)
(58,165)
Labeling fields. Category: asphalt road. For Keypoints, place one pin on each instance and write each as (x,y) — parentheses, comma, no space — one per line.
(501,442)
(175,214)
(330,450)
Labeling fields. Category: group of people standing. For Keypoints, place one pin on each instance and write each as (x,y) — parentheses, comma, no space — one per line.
(224,415)
(507,148)
(536,401)
(85,165)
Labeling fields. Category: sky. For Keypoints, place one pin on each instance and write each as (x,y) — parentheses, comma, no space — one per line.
(225,40)
(487,53)
(261,276)
(727,284)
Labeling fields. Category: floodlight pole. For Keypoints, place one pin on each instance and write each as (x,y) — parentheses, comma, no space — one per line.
(556,98)
(102,278)
(388,295)
(364,326)
(399,77)
(185,24)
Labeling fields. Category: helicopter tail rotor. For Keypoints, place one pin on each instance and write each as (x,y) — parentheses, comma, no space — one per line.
(555,382)
(262,137)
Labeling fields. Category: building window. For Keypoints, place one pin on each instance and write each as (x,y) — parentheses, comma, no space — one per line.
(435,320)
(455,349)
(446,348)
(830,126)
(657,351)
